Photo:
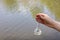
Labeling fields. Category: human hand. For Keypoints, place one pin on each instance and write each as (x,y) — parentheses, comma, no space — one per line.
(45,19)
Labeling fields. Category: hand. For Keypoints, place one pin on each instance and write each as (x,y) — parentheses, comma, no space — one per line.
(46,20)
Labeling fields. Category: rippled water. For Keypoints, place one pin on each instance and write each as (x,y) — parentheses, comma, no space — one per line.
(20,25)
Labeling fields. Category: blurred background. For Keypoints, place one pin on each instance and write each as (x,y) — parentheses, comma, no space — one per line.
(17,19)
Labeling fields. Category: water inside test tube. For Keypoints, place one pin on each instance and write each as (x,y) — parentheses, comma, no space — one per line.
(37,30)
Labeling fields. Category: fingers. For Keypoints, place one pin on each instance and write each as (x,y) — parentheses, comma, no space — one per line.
(39,19)
(41,15)
(43,18)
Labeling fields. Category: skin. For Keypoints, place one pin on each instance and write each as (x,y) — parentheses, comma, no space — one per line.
(46,20)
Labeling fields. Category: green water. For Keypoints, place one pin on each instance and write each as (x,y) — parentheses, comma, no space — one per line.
(35,10)
(11,4)
(52,5)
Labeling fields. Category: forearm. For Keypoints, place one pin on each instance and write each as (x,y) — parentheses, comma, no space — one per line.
(57,26)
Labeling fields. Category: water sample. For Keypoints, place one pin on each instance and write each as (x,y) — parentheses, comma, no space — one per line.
(37,30)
